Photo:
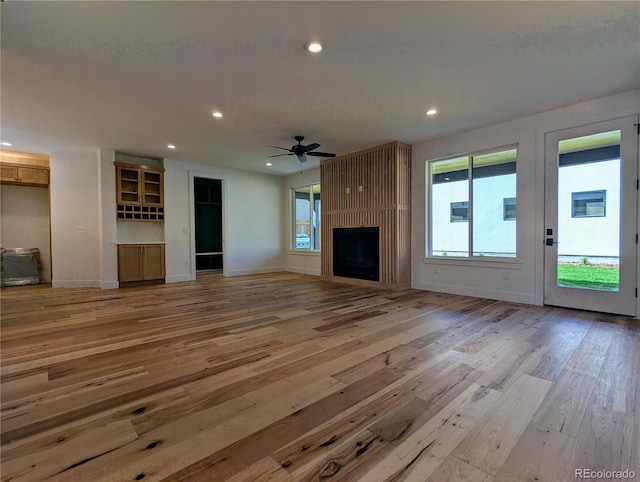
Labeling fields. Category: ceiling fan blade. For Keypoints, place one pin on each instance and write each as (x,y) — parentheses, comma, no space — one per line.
(302,158)
(320,154)
(311,147)
(279,155)
(283,148)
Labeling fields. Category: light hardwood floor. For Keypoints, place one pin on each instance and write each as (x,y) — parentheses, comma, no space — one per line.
(284,377)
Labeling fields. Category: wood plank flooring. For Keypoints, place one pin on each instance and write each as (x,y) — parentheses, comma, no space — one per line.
(284,377)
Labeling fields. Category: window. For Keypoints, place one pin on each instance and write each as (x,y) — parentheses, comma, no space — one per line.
(460,212)
(588,204)
(509,208)
(473,205)
(306,218)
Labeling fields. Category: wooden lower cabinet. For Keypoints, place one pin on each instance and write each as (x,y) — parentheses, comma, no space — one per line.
(140,262)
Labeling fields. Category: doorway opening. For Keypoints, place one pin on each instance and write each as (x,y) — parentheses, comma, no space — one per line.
(208,223)
(590,217)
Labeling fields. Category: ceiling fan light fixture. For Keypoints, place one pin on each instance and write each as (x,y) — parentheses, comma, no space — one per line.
(314,47)
(431,112)
(217,114)
(171,146)
(269,164)
(6,144)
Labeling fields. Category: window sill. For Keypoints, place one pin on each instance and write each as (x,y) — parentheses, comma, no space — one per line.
(502,263)
(304,253)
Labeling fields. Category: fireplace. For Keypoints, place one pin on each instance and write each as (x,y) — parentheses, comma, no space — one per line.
(356,253)
(367,188)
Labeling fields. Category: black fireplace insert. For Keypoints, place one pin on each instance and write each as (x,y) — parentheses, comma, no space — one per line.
(356,253)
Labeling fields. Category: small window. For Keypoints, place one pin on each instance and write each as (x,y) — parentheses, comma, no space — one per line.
(509,208)
(306,217)
(588,204)
(460,212)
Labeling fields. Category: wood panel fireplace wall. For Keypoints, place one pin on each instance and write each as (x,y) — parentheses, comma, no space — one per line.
(370,188)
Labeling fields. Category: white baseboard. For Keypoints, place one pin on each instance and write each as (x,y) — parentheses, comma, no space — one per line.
(310,271)
(179,278)
(242,272)
(85,283)
(477,292)
(109,285)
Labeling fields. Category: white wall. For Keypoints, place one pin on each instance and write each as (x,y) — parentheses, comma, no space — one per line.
(75,223)
(447,236)
(253,216)
(297,261)
(24,222)
(519,279)
(107,221)
(603,237)
(493,235)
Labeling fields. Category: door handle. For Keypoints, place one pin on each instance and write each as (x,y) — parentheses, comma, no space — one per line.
(550,242)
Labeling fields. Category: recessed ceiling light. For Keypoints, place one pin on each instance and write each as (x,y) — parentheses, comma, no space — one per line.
(432,112)
(217,114)
(171,146)
(314,47)
(7,144)
(269,164)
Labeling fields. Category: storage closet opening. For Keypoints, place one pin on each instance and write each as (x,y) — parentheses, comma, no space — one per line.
(208,223)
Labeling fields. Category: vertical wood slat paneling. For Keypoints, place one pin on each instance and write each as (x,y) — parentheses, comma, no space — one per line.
(384,172)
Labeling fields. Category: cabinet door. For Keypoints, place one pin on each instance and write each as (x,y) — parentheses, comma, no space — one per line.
(130,262)
(128,185)
(152,187)
(153,261)
(8,173)
(33,175)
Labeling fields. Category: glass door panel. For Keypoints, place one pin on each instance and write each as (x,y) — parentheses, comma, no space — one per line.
(590,217)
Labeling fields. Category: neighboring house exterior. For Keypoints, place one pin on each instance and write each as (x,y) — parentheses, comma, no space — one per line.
(588,202)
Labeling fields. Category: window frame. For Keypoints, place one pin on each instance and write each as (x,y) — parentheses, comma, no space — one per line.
(470,259)
(312,236)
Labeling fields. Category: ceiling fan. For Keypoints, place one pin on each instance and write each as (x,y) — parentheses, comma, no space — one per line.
(301,152)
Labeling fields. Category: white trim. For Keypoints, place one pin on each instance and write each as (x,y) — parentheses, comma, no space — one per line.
(292,218)
(302,252)
(503,263)
(477,292)
(179,278)
(93,283)
(192,218)
(242,272)
(310,271)
(109,285)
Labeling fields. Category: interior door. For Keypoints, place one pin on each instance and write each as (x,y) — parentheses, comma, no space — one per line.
(590,216)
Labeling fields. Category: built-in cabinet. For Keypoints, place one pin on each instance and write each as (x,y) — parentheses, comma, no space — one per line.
(140,262)
(24,175)
(26,205)
(140,197)
(139,193)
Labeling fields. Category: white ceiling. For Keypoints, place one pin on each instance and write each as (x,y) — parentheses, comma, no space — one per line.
(135,76)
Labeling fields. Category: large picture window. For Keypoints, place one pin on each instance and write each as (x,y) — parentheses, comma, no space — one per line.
(306,218)
(473,205)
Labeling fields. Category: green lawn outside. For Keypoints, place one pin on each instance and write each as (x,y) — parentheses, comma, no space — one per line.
(589,277)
